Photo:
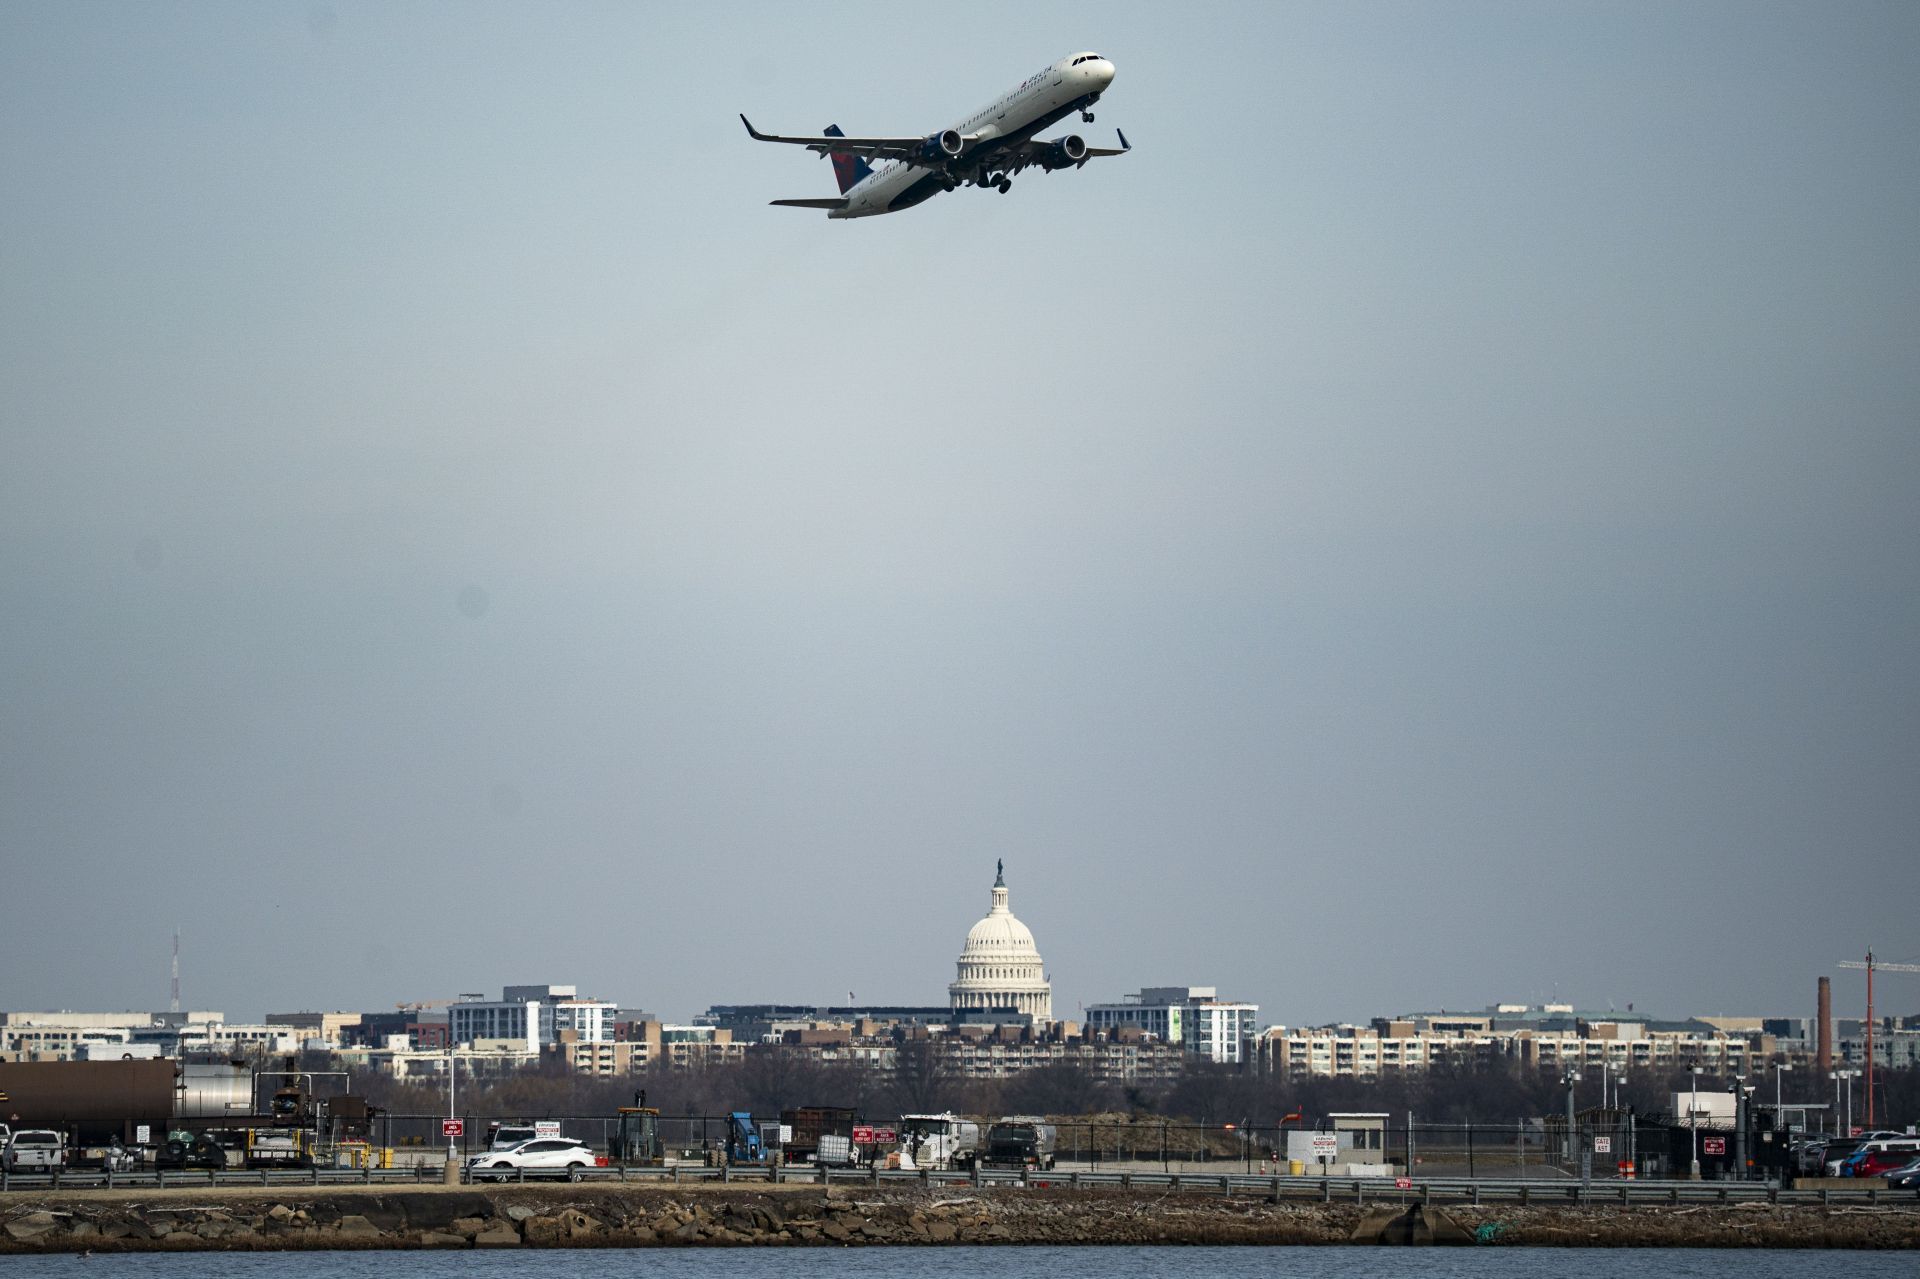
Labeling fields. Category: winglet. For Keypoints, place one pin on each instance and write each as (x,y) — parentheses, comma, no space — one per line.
(752,132)
(1124,144)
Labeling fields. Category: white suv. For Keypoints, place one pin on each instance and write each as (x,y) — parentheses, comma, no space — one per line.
(541,1157)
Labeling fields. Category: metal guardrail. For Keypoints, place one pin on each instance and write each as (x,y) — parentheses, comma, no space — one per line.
(1459,1190)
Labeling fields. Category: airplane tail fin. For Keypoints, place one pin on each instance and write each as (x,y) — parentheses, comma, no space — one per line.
(848,168)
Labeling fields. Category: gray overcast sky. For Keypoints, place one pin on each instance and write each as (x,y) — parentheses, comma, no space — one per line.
(1435,524)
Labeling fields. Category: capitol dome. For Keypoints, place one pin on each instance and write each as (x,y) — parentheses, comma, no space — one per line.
(1000,966)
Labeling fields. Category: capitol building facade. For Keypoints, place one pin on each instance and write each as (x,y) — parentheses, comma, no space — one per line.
(1000,966)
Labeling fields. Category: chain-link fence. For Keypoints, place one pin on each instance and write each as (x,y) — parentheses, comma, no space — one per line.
(1605,1145)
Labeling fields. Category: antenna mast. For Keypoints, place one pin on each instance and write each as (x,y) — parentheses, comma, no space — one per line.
(174,1005)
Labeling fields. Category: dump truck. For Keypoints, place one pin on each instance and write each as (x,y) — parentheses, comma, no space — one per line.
(817,1134)
(1020,1141)
(937,1141)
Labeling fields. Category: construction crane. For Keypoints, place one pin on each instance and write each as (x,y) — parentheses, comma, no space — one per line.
(1870,965)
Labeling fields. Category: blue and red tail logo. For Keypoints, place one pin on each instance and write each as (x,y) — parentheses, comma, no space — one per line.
(848,169)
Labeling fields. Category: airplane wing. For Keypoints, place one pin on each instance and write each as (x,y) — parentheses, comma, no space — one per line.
(839,203)
(869,148)
(1035,151)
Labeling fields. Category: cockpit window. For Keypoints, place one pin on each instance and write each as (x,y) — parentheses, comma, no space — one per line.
(1087,57)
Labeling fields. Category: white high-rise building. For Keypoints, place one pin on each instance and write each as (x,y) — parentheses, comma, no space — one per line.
(533,1017)
(1000,965)
(1193,1016)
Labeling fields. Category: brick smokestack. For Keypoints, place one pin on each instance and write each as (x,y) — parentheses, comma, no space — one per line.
(1824,1061)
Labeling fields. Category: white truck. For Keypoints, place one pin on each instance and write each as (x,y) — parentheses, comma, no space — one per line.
(36,1150)
(938,1141)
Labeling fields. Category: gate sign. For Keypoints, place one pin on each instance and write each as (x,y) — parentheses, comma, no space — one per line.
(453,1127)
(1603,1145)
(1713,1145)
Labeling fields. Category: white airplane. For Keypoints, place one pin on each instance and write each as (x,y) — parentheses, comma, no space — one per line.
(985,150)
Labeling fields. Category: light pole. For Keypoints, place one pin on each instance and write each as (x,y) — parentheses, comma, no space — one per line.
(1571,1078)
(1779,1068)
(1742,1093)
(1849,1076)
(1693,1122)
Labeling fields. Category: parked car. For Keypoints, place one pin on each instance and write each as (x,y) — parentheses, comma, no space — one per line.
(541,1157)
(1837,1153)
(504,1136)
(36,1150)
(1905,1177)
(1876,1157)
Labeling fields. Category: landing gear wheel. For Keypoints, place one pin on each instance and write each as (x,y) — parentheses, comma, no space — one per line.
(1005,186)
(1086,117)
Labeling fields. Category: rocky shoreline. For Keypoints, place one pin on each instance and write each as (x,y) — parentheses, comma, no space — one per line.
(628,1217)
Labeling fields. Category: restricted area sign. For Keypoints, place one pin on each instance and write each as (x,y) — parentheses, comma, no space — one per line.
(1713,1145)
(1325,1145)
(867,1135)
(1403,1183)
(453,1127)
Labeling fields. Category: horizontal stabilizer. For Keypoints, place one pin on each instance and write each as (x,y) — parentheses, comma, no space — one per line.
(812,204)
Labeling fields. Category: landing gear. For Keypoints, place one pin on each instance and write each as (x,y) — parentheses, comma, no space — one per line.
(1086,117)
(1005,185)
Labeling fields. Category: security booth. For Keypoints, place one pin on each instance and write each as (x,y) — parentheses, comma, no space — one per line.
(1346,1144)
(1366,1135)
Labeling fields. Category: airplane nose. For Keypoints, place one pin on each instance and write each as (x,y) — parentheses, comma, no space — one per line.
(1103,72)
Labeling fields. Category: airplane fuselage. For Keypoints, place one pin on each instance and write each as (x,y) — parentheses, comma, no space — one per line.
(1074,83)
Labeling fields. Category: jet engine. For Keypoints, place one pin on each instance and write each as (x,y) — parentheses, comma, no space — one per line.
(1062,153)
(944,146)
